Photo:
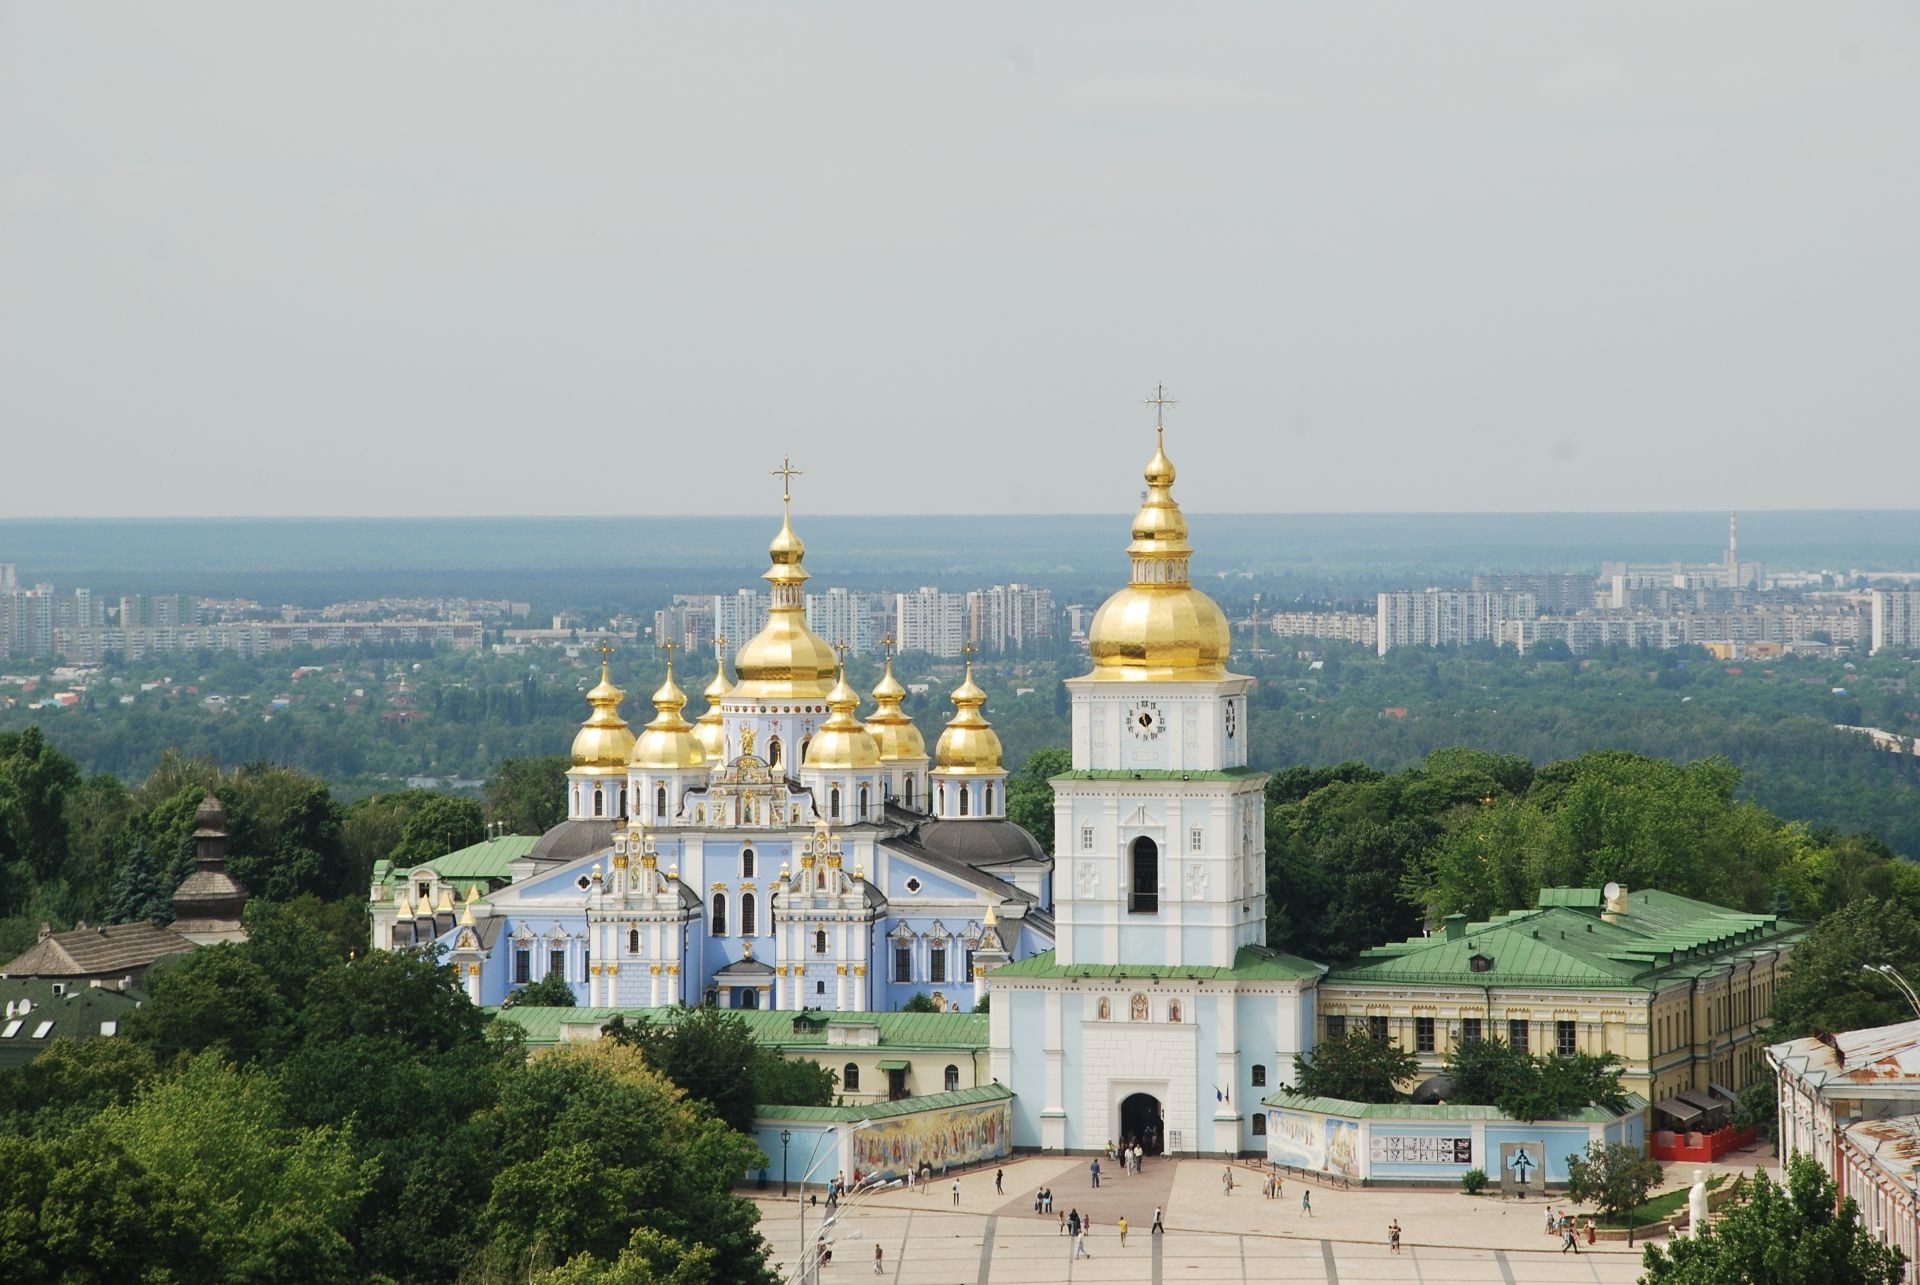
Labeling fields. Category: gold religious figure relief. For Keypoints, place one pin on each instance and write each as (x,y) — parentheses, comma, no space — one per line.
(1173,1011)
(1138,1009)
(1106,1010)
(746,740)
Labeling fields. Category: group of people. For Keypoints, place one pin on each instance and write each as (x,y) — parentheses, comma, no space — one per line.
(1569,1229)
(1129,1157)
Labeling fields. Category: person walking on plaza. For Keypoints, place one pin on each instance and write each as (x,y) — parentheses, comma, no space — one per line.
(999,1176)
(1080,1245)
(1589,1229)
(1569,1241)
(1123,1231)
(956,1191)
(1093,1169)
(1393,1236)
(1552,1222)
(1306,1202)
(1159,1228)
(1226,1180)
(878,1255)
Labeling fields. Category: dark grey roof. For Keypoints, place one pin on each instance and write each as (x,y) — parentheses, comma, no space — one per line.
(108,951)
(75,1014)
(744,970)
(571,840)
(981,843)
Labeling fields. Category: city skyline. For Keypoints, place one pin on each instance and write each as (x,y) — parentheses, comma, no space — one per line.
(1597,259)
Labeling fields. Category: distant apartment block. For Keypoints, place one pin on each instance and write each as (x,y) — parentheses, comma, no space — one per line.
(1895,619)
(844,616)
(258,637)
(1332,626)
(1446,617)
(688,623)
(1783,625)
(1009,617)
(930,621)
(1557,593)
(739,615)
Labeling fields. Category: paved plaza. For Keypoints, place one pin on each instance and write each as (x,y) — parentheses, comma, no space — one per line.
(1211,1236)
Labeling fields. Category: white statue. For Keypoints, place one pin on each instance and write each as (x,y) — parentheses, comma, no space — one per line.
(1697,1203)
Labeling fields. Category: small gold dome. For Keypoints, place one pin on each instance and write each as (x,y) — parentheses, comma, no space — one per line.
(668,743)
(898,738)
(969,747)
(1159,626)
(604,741)
(785,660)
(843,743)
(710,731)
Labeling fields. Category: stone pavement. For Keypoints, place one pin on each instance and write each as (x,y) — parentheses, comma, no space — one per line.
(1211,1236)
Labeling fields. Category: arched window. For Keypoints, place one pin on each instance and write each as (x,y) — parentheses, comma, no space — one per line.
(819,941)
(965,793)
(833,803)
(953,1078)
(599,801)
(988,806)
(773,751)
(749,904)
(850,1078)
(1144,897)
(910,789)
(865,800)
(805,745)
(719,914)
(660,803)
(633,941)
(1259,1076)
(623,802)
(746,863)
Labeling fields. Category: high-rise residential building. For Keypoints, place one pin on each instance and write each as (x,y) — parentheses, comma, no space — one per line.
(1009,617)
(843,616)
(138,611)
(1896,619)
(9,577)
(1446,617)
(688,623)
(931,621)
(1332,626)
(740,614)
(1557,593)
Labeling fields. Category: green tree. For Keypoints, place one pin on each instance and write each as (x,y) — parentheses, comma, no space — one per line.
(706,1051)
(139,890)
(69,1082)
(1798,1234)
(648,1259)
(35,780)
(1827,985)
(76,1208)
(790,1082)
(406,998)
(529,795)
(441,824)
(920,1002)
(214,998)
(1030,796)
(1355,1066)
(1613,1176)
(551,991)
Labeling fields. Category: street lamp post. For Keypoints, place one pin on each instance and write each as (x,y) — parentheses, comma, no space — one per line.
(806,1250)
(1900,983)
(786,1136)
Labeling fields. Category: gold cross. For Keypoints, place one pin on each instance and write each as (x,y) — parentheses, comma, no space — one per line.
(668,647)
(786,473)
(1159,401)
(968,651)
(606,650)
(887,642)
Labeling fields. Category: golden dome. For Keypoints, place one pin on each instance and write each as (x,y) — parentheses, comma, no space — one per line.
(785,660)
(843,743)
(668,743)
(709,731)
(604,741)
(969,747)
(895,733)
(1159,626)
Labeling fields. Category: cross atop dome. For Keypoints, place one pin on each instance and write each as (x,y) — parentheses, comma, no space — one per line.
(1159,401)
(786,473)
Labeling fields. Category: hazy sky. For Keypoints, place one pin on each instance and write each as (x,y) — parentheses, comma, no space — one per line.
(394,258)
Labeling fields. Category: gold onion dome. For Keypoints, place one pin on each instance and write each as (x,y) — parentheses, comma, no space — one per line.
(669,743)
(968,746)
(604,741)
(1159,626)
(843,743)
(710,731)
(892,729)
(785,659)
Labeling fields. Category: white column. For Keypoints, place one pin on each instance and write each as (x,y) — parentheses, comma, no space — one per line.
(653,985)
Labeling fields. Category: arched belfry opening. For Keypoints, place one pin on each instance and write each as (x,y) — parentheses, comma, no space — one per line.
(1143,895)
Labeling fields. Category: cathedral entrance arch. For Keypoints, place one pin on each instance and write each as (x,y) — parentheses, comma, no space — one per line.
(1141,1121)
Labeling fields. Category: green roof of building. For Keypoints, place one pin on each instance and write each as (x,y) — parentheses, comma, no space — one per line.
(58,1010)
(1408,1111)
(488,859)
(1160,774)
(899,1106)
(1566,941)
(779,1028)
(1250,964)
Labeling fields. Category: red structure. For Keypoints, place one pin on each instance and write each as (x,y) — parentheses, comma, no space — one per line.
(1667,1145)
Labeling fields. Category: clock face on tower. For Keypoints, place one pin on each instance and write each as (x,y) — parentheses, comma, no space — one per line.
(1145,721)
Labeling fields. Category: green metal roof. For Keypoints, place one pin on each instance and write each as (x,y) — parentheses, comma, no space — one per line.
(893,1064)
(488,859)
(1250,964)
(1566,941)
(775,1027)
(74,1014)
(1408,1111)
(900,1106)
(1160,774)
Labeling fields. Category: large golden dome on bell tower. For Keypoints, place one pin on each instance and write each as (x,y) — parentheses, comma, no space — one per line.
(786,659)
(1159,627)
